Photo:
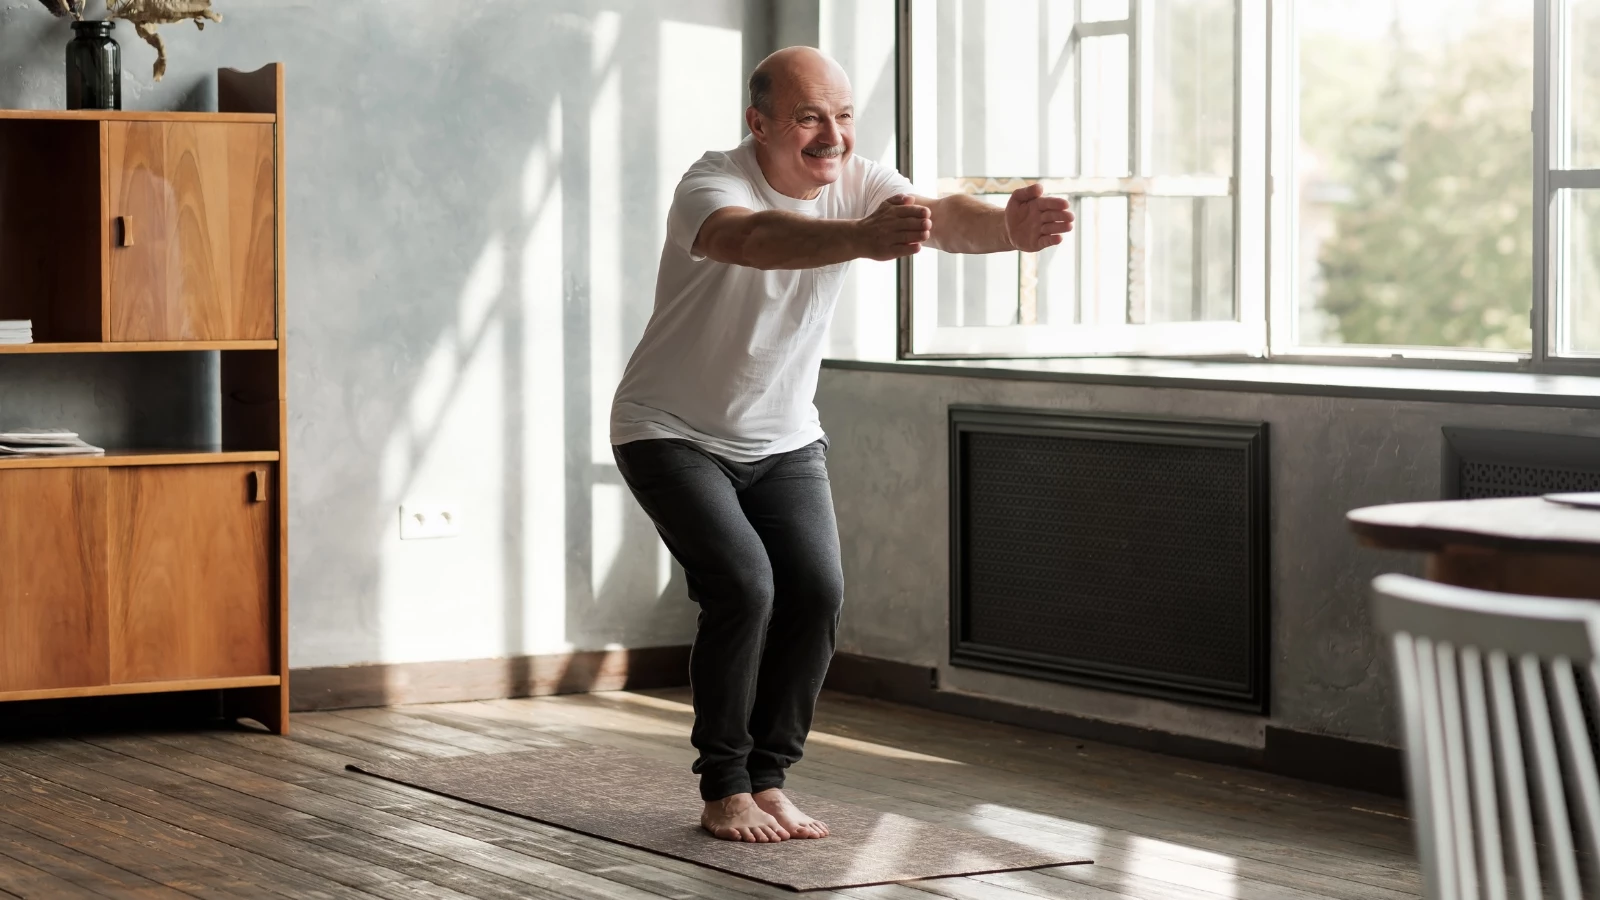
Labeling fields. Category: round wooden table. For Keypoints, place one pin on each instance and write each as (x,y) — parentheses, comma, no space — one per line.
(1515,545)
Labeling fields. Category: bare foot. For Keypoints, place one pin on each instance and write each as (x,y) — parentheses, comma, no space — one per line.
(789,816)
(738,818)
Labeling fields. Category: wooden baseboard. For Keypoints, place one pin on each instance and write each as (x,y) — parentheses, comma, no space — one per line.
(1311,757)
(346,687)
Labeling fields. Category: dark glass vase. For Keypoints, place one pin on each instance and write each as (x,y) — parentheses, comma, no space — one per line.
(94,67)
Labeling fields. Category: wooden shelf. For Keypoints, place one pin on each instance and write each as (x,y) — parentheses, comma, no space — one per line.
(133,115)
(145,687)
(139,458)
(134,347)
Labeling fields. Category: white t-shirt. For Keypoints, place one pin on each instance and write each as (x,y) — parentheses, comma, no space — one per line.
(729,359)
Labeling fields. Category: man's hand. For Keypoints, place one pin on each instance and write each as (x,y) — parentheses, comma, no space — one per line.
(1034,221)
(896,228)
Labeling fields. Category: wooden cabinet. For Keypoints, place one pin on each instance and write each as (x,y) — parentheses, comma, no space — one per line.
(52,615)
(147,571)
(191,228)
(155,573)
(189,560)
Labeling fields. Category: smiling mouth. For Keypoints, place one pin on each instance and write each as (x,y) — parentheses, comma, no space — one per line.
(834,152)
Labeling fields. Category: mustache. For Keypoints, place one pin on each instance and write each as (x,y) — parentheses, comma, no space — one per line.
(833,152)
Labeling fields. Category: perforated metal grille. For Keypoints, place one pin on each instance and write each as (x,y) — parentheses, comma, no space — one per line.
(1497,479)
(1123,555)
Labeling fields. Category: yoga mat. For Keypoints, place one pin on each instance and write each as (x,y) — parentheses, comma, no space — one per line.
(655,805)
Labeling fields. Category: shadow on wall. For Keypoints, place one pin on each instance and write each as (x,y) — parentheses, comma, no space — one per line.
(476,204)
(509,211)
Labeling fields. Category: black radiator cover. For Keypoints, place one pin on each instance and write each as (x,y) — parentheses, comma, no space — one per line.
(1482,462)
(1121,553)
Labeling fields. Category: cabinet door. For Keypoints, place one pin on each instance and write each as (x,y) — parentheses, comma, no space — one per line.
(52,579)
(193,252)
(191,582)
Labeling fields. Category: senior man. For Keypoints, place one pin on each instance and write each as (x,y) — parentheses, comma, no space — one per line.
(714,429)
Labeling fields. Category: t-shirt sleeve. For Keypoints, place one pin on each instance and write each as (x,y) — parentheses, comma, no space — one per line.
(879,183)
(705,188)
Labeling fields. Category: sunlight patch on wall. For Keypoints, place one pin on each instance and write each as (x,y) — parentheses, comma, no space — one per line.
(701,101)
(544,467)
(609,504)
(484,287)
(442,599)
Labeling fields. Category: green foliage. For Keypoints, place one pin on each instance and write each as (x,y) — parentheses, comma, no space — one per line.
(1433,245)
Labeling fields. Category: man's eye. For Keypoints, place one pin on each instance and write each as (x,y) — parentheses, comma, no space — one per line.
(808,119)
(846,117)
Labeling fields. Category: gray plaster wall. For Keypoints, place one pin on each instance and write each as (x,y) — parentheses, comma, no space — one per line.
(476,196)
(889,465)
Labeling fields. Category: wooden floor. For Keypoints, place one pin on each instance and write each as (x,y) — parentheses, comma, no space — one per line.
(243,814)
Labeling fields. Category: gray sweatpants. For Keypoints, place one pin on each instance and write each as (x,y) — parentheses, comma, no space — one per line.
(760,546)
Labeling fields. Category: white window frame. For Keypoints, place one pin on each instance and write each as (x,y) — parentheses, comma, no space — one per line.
(921,336)
(1265,255)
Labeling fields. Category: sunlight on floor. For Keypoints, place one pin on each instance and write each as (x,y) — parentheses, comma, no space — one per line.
(816,737)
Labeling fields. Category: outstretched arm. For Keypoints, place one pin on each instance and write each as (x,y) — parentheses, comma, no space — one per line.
(779,239)
(1029,222)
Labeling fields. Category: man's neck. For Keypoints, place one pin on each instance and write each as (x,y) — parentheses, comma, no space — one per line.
(797,192)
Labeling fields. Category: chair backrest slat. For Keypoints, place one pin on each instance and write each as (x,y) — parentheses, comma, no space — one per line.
(1513,775)
(1547,777)
(1488,692)
(1574,728)
(1455,763)
(1480,752)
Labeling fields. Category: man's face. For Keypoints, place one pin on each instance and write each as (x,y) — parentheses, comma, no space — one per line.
(811,132)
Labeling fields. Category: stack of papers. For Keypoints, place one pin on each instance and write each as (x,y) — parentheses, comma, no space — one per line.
(16,331)
(44,442)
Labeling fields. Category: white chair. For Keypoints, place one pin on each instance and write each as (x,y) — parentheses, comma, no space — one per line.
(1475,669)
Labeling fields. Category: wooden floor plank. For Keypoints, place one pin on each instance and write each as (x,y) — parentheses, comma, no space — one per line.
(235,819)
(18,879)
(263,876)
(85,871)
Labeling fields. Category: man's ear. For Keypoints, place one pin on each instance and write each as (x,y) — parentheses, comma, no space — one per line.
(752,120)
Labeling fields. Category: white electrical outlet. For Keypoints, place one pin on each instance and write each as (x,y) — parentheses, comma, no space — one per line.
(421,521)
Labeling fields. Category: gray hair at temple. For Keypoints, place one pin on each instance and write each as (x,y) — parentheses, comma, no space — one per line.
(761,91)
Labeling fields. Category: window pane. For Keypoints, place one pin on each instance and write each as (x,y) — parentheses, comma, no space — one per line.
(1058,282)
(1190,254)
(1002,112)
(1104,10)
(1581,263)
(1103,266)
(1413,161)
(978,290)
(1105,105)
(1192,117)
(1584,101)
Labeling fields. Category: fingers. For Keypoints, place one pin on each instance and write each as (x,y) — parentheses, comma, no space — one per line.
(898,199)
(1061,227)
(1025,194)
(1052,204)
(906,210)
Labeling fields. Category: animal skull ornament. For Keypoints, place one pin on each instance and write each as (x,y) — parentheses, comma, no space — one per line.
(58,8)
(147,15)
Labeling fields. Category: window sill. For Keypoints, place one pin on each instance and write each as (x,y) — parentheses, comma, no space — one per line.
(1372,382)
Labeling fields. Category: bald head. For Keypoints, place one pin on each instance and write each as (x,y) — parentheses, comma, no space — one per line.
(782,70)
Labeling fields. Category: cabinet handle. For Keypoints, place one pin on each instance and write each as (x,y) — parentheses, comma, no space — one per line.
(258,489)
(125,223)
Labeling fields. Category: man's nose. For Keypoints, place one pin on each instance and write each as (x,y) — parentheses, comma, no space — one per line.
(830,131)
